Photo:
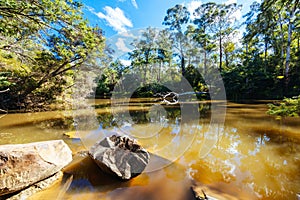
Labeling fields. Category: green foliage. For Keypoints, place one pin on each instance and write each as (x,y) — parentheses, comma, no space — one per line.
(195,79)
(288,107)
(269,33)
(176,17)
(41,42)
(4,80)
(149,90)
(102,88)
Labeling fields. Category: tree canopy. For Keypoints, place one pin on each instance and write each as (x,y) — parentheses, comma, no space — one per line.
(41,41)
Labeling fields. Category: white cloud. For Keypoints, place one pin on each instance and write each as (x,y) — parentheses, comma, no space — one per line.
(192,6)
(134,4)
(91,9)
(237,14)
(230,2)
(122,46)
(114,17)
(125,62)
(128,34)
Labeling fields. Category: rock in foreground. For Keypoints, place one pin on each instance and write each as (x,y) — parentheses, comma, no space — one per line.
(35,188)
(22,165)
(120,156)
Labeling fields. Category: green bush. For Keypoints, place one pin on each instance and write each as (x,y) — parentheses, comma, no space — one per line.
(288,107)
(149,90)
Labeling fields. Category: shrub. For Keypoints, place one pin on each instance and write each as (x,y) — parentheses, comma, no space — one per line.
(288,107)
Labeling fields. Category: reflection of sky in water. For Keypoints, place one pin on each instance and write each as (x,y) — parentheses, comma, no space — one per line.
(260,141)
(81,183)
(175,130)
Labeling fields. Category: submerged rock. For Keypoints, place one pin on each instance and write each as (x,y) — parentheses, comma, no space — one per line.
(220,192)
(22,165)
(120,156)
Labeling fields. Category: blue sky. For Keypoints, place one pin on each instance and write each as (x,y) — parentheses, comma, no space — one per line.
(116,16)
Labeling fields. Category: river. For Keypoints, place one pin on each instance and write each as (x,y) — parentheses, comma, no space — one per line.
(248,155)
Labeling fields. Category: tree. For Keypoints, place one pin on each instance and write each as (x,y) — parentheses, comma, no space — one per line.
(47,38)
(144,54)
(292,9)
(229,48)
(215,21)
(223,24)
(164,52)
(203,20)
(273,26)
(177,17)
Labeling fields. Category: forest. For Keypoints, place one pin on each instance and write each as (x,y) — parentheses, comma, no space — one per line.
(44,43)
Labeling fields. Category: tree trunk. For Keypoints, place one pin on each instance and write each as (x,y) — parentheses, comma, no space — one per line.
(159,71)
(205,62)
(266,54)
(288,52)
(266,50)
(282,42)
(289,41)
(145,75)
(226,59)
(221,53)
(182,65)
(298,44)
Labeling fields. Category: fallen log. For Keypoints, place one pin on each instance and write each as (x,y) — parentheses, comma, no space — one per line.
(171,98)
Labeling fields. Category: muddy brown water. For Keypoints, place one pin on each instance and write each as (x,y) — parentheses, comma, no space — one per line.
(252,155)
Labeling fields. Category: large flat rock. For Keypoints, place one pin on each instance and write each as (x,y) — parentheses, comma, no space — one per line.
(22,165)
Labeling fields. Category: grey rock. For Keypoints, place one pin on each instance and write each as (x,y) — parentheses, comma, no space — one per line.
(120,156)
(35,188)
(22,165)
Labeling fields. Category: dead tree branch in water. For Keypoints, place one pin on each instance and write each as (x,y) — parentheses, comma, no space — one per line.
(169,98)
(172,98)
(2,91)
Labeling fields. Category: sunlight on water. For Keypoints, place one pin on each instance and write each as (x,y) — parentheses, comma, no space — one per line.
(253,156)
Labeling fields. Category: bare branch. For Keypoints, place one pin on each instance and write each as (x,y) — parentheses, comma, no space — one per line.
(171,98)
(2,91)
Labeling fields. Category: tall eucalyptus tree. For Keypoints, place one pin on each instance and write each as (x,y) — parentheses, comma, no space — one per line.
(144,53)
(216,21)
(176,19)
(164,52)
